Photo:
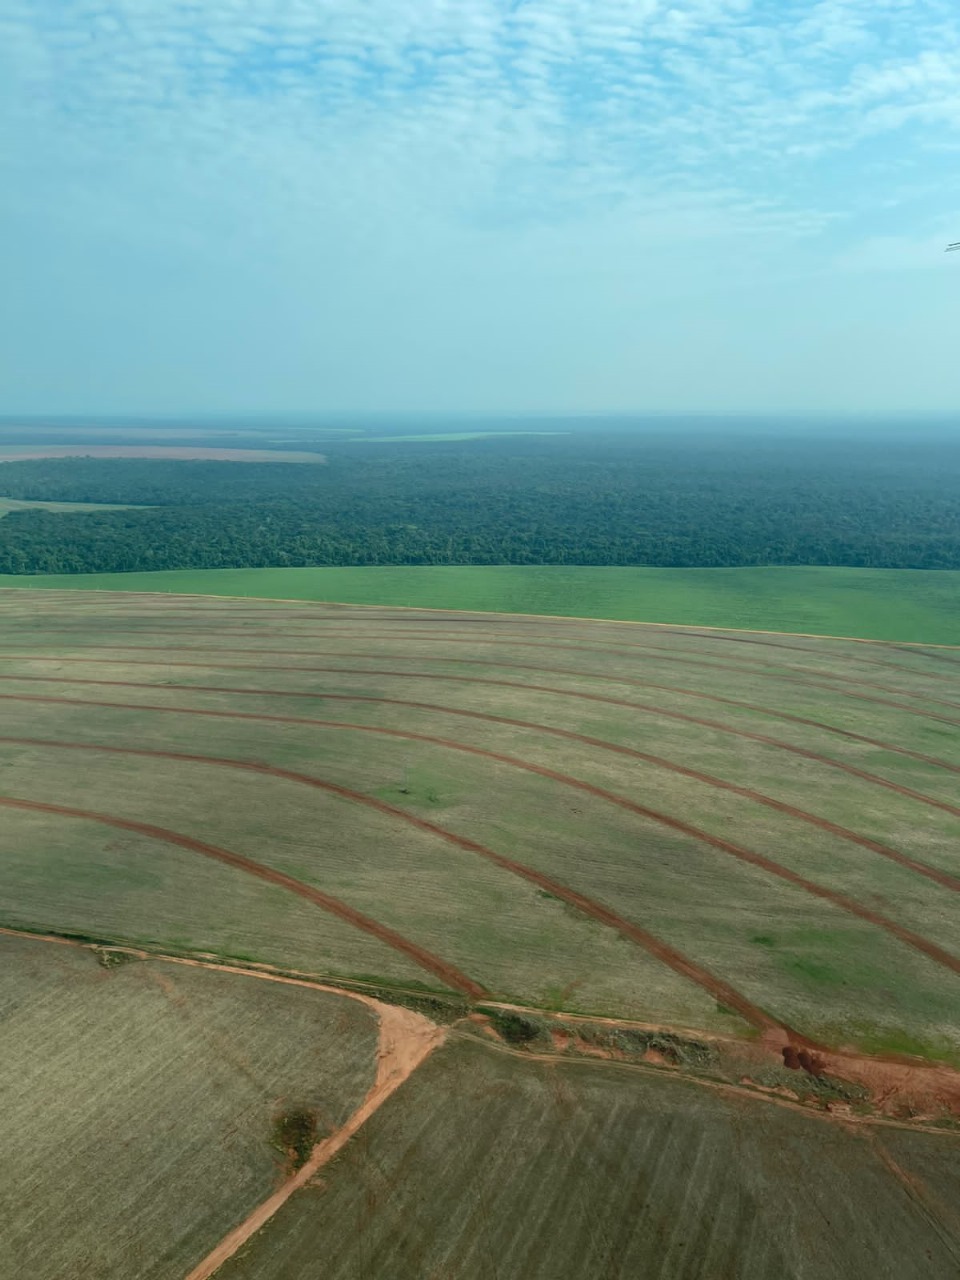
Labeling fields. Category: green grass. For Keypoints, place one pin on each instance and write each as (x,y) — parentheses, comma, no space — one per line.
(879,604)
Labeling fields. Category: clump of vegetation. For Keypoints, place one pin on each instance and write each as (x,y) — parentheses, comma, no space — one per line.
(634,1042)
(295,1134)
(438,1008)
(110,958)
(515,1028)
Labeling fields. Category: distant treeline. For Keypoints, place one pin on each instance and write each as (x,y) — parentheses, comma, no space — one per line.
(687,500)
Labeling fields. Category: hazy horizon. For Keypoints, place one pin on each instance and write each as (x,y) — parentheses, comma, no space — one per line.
(543,207)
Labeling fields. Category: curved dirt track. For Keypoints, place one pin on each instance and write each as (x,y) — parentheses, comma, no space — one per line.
(449,975)
(872,778)
(850,905)
(660,950)
(721,700)
(748,793)
(831,684)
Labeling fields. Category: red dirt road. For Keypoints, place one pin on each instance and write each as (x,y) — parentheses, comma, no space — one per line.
(449,975)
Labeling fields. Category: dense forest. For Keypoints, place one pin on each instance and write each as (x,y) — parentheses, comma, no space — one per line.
(586,498)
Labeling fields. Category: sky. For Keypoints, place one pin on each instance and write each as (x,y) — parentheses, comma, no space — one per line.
(486,206)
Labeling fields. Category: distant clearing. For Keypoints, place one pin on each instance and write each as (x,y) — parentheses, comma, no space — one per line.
(19,453)
(921,606)
(457,435)
(16,504)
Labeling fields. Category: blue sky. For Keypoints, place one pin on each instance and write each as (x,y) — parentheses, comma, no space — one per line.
(483,205)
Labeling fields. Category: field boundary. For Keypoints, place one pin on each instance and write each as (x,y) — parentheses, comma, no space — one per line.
(493,613)
(269,974)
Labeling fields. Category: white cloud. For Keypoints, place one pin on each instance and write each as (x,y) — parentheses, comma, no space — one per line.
(321,146)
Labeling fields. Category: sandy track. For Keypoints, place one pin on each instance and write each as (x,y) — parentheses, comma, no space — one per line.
(850,905)
(406,1040)
(943,878)
(720,699)
(832,684)
(449,975)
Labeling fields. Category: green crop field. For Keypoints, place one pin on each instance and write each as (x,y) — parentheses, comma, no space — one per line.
(745,844)
(920,606)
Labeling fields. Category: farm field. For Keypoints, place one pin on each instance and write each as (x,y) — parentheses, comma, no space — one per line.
(604,1173)
(918,606)
(123,1079)
(746,845)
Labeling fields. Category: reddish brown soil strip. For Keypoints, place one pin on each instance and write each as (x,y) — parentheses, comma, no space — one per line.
(767,865)
(406,1040)
(535,688)
(662,951)
(445,972)
(748,793)
(833,684)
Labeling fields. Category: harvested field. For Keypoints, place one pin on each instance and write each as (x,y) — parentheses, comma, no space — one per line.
(143,1104)
(485,1165)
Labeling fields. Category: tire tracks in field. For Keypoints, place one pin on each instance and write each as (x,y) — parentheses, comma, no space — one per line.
(653,945)
(448,974)
(921,712)
(498,631)
(762,863)
(748,793)
(534,688)
(836,683)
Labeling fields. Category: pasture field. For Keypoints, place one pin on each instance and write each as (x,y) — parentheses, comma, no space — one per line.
(487,1166)
(748,840)
(142,1102)
(919,606)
